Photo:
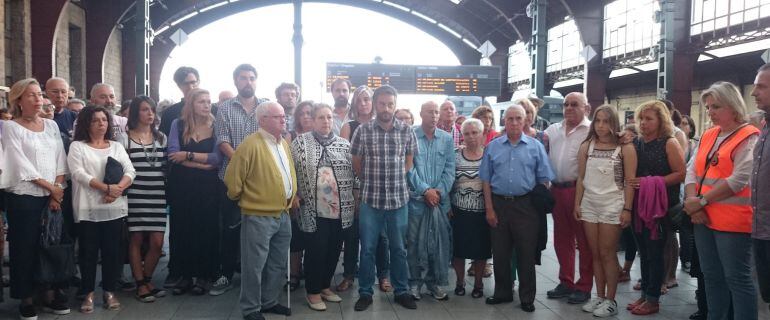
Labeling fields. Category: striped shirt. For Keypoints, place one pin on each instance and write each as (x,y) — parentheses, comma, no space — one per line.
(147,194)
(383,172)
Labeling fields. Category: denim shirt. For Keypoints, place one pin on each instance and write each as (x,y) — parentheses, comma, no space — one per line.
(434,168)
(514,170)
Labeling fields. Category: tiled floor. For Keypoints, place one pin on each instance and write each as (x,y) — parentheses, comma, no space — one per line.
(679,303)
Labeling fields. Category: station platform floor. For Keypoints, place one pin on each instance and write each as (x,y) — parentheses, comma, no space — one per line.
(679,303)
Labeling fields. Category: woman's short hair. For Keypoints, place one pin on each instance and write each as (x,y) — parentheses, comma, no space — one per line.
(17,90)
(317,107)
(728,95)
(472,122)
(361,90)
(407,111)
(657,106)
(83,123)
(483,110)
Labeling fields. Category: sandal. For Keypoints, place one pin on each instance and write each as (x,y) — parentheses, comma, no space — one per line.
(385,285)
(646,308)
(663,290)
(146,297)
(88,303)
(635,304)
(110,301)
(477,292)
(488,270)
(459,290)
(158,293)
(625,276)
(345,284)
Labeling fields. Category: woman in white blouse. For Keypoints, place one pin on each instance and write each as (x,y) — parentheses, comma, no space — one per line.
(33,165)
(100,209)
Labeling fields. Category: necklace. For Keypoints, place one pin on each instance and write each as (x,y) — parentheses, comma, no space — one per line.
(152,160)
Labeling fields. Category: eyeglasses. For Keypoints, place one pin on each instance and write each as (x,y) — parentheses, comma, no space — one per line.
(47,107)
(275,117)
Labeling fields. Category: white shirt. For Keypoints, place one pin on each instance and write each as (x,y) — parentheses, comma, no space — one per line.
(87,163)
(563,148)
(280,158)
(28,155)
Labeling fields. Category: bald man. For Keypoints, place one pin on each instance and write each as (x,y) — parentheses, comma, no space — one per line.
(57,90)
(103,94)
(564,140)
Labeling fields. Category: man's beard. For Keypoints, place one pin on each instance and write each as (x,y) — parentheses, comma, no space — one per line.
(384,117)
(246,92)
(340,101)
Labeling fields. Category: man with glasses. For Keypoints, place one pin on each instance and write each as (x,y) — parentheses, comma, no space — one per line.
(57,90)
(186,78)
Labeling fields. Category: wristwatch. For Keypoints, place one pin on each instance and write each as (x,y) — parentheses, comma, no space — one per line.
(703,202)
(58,185)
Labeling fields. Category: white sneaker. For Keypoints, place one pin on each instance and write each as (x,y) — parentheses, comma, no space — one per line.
(438,293)
(590,306)
(414,291)
(221,286)
(607,308)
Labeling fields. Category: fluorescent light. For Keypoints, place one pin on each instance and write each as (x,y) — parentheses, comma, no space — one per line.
(470,43)
(648,66)
(456,1)
(740,48)
(622,72)
(213,6)
(188,16)
(703,57)
(448,29)
(397,6)
(424,17)
(567,83)
(161,30)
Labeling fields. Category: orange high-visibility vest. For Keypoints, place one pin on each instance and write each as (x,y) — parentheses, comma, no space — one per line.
(732,214)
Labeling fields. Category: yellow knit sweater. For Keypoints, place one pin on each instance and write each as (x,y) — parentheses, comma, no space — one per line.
(253,178)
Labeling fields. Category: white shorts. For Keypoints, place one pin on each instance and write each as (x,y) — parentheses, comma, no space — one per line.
(606,210)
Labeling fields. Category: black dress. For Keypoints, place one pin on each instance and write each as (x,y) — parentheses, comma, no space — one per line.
(194,205)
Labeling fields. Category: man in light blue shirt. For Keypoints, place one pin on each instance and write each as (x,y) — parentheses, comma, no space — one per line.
(512,166)
(430,181)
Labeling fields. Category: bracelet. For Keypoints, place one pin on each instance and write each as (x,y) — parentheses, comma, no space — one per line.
(627,209)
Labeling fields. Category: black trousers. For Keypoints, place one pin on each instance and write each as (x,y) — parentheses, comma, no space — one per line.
(762,260)
(24,214)
(629,244)
(101,239)
(517,228)
(322,251)
(651,256)
(229,233)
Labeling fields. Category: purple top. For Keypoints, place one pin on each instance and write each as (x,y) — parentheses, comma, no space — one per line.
(174,145)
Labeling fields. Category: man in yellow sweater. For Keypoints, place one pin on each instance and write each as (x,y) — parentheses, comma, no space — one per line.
(262,179)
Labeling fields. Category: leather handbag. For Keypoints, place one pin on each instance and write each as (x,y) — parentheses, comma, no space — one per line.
(56,255)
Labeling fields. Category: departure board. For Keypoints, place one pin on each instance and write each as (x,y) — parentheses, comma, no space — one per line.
(444,80)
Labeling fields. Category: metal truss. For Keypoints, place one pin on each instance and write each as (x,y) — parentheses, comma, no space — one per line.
(734,39)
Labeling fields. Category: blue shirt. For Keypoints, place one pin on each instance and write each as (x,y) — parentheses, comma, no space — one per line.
(514,170)
(434,168)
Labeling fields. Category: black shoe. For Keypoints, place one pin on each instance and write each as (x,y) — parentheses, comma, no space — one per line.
(698,315)
(27,312)
(278,309)
(493,300)
(254,316)
(528,307)
(363,303)
(578,297)
(56,307)
(560,291)
(406,300)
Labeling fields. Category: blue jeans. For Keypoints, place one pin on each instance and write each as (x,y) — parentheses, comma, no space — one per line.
(725,259)
(371,221)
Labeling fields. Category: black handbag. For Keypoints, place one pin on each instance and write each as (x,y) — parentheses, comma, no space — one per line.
(113,173)
(56,255)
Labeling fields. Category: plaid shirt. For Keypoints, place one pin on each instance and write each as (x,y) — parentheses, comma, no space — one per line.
(232,125)
(383,172)
(454,130)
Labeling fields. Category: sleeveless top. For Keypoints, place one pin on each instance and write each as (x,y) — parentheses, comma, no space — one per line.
(604,171)
(467,194)
(653,161)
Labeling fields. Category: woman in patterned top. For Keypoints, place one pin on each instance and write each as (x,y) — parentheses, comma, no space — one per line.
(603,204)
(146,147)
(325,198)
(470,231)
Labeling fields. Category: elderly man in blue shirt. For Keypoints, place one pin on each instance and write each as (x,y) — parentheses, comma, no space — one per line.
(430,181)
(511,167)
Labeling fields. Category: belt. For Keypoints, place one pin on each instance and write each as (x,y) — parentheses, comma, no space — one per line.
(509,198)
(568,184)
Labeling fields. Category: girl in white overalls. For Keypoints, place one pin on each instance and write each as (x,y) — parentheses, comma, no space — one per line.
(603,204)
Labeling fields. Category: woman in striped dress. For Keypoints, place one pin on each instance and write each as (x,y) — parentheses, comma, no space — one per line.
(146,147)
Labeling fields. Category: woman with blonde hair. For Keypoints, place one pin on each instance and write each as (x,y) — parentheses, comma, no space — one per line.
(487,117)
(660,166)
(718,201)
(192,182)
(33,166)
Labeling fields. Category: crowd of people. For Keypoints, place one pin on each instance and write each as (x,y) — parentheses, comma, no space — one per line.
(406,202)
